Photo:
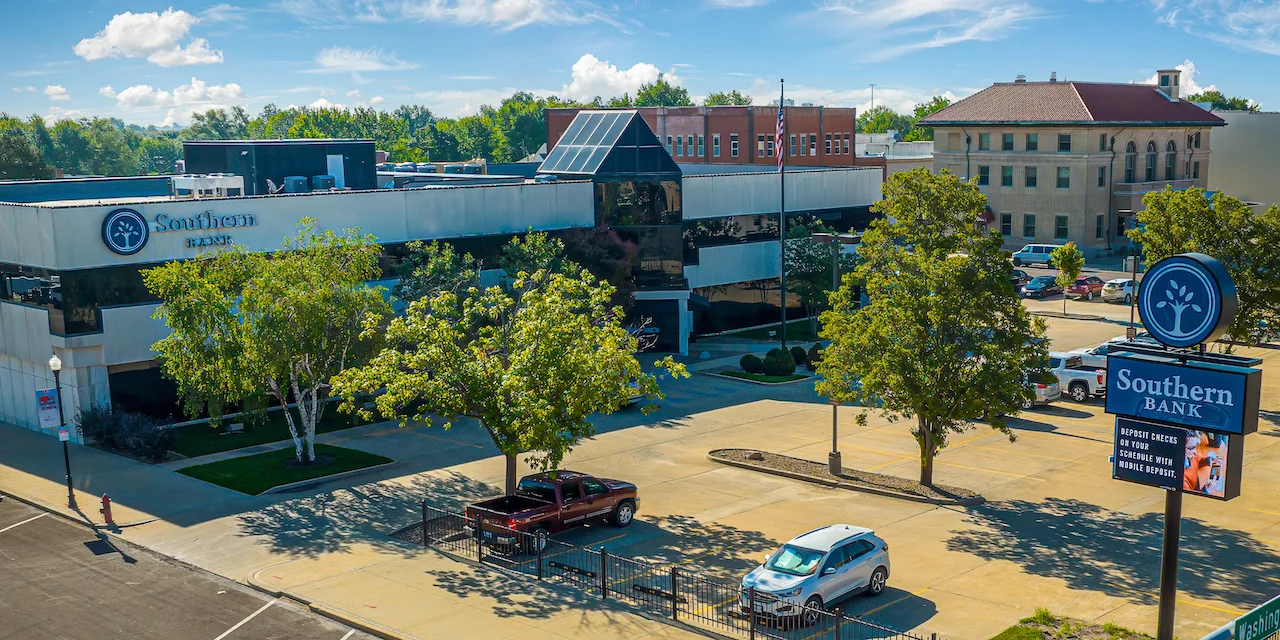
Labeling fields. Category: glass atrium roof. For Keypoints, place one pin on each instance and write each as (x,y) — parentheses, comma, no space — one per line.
(610,144)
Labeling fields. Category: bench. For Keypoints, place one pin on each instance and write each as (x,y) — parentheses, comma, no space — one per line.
(232,427)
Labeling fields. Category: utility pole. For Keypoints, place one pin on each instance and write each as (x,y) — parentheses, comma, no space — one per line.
(873,97)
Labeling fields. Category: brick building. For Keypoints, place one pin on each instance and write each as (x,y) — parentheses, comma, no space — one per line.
(816,136)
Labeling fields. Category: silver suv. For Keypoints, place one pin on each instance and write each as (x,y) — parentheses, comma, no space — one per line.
(816,569)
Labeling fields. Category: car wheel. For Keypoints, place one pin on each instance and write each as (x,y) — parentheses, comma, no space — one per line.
(878,580)
(536,541)
(1128,299)
(1028,403)
(812,611)
(1017,262)
(1089,296)
(1079,392)
(624,513)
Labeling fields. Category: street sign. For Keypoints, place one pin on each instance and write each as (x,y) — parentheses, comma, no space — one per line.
(64,434)
(1175,459)
(47,406)
(1196,395)
(1187,299)
(1259,624)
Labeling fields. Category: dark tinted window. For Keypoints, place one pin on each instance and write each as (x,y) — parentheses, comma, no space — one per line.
(539,490)
(571,491)
(594,487)
(857,549)
(1054,363)
(835,559)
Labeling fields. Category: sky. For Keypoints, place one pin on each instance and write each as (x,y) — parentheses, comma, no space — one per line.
(154,63)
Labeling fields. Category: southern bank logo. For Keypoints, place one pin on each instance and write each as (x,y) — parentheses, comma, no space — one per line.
(125,231)
(1182,297)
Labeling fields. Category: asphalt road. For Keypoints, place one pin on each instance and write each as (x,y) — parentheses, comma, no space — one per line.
(60,581)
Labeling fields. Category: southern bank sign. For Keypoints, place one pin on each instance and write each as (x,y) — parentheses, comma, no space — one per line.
(1195,395)
(125,231)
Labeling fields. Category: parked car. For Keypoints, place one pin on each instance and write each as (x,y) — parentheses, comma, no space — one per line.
(1019,279)
(1119,290)
(1043,394)
(1096,357)
(1086,287)
(1080,381)
(1034,254)
(1041,287)
(1141,337)
(546,503)
(814,570)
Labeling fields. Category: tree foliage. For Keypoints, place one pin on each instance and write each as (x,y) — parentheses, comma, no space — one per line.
(1069,260)
(730,98)
(1227,229)
(920,133)
(245,326)
(882,119)
(661,93)
(944,340)
(808,267)
(531,361)
(1221,102)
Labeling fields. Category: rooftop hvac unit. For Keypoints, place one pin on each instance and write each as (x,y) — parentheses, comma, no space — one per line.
(217,185)
(295,184)
(473,169)
(322,183)
(453,168)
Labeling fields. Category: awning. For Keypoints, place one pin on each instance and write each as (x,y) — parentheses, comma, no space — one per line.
(987,216)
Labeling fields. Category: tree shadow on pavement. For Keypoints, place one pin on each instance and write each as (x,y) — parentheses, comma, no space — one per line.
(1270,423)
(513,597)
(1118,554)
(1023,424)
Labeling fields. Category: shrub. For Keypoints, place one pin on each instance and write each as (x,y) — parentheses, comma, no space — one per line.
(798,355)
(779,363)
(751,364)
(130,434)
(812,358)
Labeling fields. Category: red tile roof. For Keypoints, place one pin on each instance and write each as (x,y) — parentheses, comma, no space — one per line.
(1071,102)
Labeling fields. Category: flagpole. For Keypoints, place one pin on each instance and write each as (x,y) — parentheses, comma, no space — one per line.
(782,216)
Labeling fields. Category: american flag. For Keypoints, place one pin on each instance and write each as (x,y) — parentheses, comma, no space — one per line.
(777,138)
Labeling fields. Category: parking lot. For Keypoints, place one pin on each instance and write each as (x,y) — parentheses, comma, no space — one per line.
(61,581)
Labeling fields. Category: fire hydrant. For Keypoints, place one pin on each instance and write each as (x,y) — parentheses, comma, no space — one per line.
(106,509)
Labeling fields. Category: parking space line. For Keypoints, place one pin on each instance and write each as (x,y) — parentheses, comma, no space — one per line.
(1003,473)
(1270,513)
(890,604)
(975,439)
(1234,612)
(247,618)
(19,524)
(1034,455)
(349,634)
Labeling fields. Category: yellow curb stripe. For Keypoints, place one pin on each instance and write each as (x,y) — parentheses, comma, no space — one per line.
(1270,513)
(1234,612)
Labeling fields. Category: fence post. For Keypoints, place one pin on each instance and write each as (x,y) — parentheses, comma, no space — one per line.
(604,574)
(675,593)
(537,544)
(479,541)
(751,611)
(424,522)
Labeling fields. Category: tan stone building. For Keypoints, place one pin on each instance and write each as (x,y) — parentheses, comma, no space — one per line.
(1063,160)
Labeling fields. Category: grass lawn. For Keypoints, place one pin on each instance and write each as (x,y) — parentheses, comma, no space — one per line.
(257,473)
(1046,626)
(760,377)
(797,332)
(202,439)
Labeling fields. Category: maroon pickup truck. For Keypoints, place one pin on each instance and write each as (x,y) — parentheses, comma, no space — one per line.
(547,503)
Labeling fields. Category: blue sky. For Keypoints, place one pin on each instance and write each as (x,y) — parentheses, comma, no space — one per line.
(154,63)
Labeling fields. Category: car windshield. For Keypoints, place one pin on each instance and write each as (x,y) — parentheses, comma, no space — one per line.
(1082,281)
(1043,281)
(796,561)
(534,489)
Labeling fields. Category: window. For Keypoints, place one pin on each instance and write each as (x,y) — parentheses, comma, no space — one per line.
(1006,224)
(679,145)
(1170,160)
(702,146)
(857,549)
(1064,142)
(984,176)
(813,145)
(1102,142)
(733,145)
(828,143)
(1060,227)
(759,145)
(768,147)
(1033,142)
(1064,177)
(1197,140)
(1121,226)
(1006,176)
(835,559)
(670,148)
(1031,178)
(594,487)
(571,491)
(1029,226)
(1102,177)
(1151,161)
(1190,141)
(984,142)
(1195,170)
(804,144)
(1100,227)
(1006,142)
(793,145)
(1130,159)
(846,144)
(715,145)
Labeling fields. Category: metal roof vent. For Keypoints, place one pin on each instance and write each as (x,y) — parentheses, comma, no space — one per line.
(1053,76)
(1020,79)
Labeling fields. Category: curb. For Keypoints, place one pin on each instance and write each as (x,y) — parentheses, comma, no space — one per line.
(280,488)
(967,502)
(757,382)
(86,522)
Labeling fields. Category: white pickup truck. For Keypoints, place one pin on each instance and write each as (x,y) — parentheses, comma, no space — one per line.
(1078,381)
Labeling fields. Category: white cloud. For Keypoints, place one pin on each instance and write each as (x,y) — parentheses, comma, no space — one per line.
(196,94)
(158,37)
(24,89)
(456,102)
(56,92)
(354,93)
(904,26)
(1187,83)
(348,60)
(503,14)
(595,77)
(59,113)
(1252,25)
(324,104)
(402,87)
(900,99)
(107,91)
(377,100)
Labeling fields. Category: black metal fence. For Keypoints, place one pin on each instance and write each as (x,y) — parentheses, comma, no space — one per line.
(679,594)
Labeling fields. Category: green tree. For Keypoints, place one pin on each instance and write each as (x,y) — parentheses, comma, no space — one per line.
(249,326)
(431,269)
(661,93)
(1174,222)
(532,362)
(1069,260)
(20,158)
(924,110)
(808,268)
(882,119)
(415,116)
(732,98)
(1223,103)
(944,340)
(218,124)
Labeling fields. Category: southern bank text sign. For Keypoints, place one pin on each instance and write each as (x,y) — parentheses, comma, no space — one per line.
(1194,395)
(126,231)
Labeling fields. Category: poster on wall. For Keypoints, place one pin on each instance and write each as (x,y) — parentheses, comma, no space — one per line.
(47,404)
(1192,461)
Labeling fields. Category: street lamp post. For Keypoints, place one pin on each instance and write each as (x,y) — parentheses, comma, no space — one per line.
(55,364)
(834,464)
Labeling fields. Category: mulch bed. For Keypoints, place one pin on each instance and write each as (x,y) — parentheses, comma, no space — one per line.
(850,478)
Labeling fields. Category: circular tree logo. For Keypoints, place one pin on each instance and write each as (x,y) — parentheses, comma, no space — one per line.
(125,232)
(1187,299)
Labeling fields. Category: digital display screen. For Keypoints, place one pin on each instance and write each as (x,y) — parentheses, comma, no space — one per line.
(1196,462)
